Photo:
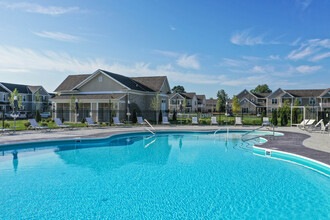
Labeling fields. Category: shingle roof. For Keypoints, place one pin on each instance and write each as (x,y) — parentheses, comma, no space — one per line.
(325,91)
(200,97)
(71,81)
(94,96)
(261,95)
(211,101)
(20,88)
(130,83)
(34,88)
(189,95)
(305,92)
(2,89)
(153,82)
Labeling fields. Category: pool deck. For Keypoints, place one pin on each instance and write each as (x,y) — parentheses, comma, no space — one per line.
(314,145)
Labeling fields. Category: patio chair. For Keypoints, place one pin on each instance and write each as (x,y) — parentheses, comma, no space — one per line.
(165,121)
(140,121)
(34,125)
(116,121)
(5,130)
(214,121)
(308,124)
(194,121)
(316,126)
(238,121)
(91,123)
(325,128)
(60,124)
(266,122)
(301,123)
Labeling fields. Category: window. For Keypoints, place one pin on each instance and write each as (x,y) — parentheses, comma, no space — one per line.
(312,101)
(100,78)
(273,109)
(4,97)
(252,100)
(300,101)
(24,98)
(245,110)
(274,101)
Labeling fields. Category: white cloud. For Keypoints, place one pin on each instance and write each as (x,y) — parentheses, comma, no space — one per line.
(35,8)
(57,36)
(167,53)
(172,28)
(307,69)
(274,57)
(25,59)
(303,4)
(309,48)
(245,38)
(320,56)
(295,43)
(189,62)
(233,62)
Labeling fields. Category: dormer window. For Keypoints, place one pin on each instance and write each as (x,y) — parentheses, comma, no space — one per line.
(100,78)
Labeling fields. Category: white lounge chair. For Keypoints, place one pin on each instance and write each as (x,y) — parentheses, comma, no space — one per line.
(308,124)
(194,121)
(214,121)
(34,125)
(238,121)
(116,121)
(165,121)
(316,126)
(90,122)
(326,127)
(140,121)
(60,124)
(265,121)
(5,130)
(301,123)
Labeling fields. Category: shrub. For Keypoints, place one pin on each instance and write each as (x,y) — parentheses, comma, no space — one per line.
(38,116)
(27,124)
(174,116)
(49,120)
(274,117)
(134,118)
(44,124)
(7,125)
(43,120)
(107,123)
(160,118)
(83,121)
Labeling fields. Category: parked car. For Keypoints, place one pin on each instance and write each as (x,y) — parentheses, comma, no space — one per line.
(45,114)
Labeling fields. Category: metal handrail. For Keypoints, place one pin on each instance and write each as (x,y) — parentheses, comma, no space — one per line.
(150,126)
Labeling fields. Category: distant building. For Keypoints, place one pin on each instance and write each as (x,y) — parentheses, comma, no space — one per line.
(211,105)
(201,103)
(29,97)
(96,91)
(178,98)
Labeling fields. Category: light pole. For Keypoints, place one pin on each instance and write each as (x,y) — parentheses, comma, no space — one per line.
(15,113)
(128,113)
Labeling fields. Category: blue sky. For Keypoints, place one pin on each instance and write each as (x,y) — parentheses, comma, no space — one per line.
(203,45)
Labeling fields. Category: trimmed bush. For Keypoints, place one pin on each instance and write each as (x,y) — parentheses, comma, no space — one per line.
(27,124)
(83,121)
(44,124)
(37,116)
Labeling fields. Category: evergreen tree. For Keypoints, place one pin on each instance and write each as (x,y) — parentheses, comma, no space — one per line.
(274,117)
(38,116)
(174,115)
(178,89)
(261,89)
(160,119)
(222,99)
(134,117)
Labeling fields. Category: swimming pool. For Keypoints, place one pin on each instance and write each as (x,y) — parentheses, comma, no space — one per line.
(169,175)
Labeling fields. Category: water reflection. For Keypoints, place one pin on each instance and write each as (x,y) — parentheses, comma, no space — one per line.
(118,153)
(15,160)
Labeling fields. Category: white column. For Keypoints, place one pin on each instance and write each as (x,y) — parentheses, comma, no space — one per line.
(55,107)
(97,112)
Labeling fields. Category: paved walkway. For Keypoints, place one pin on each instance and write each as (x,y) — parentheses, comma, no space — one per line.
(313,145)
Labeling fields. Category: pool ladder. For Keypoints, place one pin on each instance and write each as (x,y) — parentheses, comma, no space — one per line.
(148,129)
(227,128)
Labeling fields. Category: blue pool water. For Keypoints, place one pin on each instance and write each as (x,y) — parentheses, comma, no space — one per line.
(170,175)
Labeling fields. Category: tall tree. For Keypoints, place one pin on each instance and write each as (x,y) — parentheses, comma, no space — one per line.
(155,105)
(12,96)
(236,106)
(222,99)
(261,89)
(178,89)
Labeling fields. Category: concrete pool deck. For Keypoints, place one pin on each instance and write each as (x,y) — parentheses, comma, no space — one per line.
(312,145)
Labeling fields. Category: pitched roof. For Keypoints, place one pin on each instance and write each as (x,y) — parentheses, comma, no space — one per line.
(2,89)
(189,95)
(33,89)
(325,91)
(305,92)
(20,88)
(261,95)
(200,97)
(71,81)
(211,101)
(94,96)
(153,82)
(128,82)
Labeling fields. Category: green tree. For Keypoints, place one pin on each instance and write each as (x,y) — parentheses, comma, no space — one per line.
(274,117)
(236,108)
(222,99)
(184,104)
(37,99)
(295,111)
(261,89)
(12,97)
(155,105)
(178,89)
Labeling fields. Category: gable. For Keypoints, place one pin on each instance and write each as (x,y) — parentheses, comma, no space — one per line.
(177,96)
(101,83)
(165,89)
(279,92)
(287,95)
